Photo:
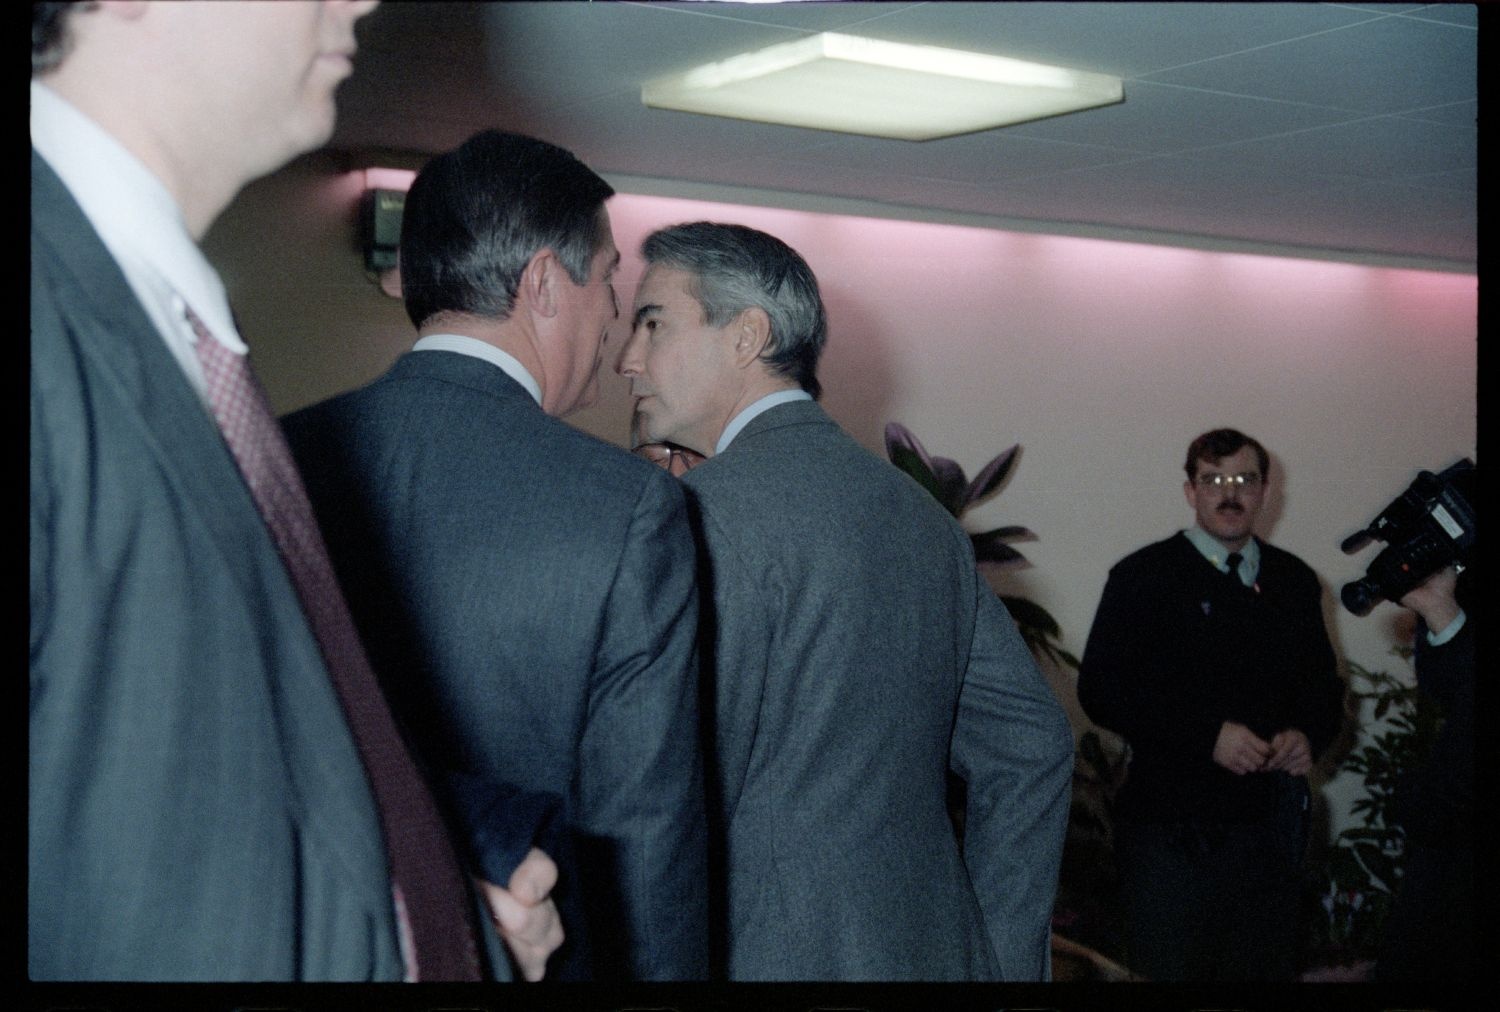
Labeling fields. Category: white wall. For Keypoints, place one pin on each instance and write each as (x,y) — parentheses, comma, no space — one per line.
(1101,358)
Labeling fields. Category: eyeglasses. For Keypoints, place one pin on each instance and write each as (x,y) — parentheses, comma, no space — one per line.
(676,459)
(1219,482)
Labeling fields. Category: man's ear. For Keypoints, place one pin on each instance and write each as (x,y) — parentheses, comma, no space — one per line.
(538,291)
(751,334)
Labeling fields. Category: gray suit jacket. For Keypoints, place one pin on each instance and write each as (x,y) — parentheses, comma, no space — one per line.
(197,809)
(528,594)
(857,655)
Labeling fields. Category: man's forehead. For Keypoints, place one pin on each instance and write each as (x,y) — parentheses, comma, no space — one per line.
(1233,461)
(661,284)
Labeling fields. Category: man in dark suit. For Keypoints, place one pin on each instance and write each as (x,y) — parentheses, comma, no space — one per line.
(216,791)
(856,655)
(1209,656)
(511,573)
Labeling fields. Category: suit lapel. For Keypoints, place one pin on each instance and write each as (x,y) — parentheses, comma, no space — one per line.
(124,361)
(114,332)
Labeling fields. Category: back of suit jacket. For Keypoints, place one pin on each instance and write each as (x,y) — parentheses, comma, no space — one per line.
(855,654)
(197,810)
(528,595)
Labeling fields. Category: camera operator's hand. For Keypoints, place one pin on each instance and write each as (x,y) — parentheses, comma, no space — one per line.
(1434,599)
(1239,749)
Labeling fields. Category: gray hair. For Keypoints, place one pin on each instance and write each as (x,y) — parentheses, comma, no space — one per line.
(735,268)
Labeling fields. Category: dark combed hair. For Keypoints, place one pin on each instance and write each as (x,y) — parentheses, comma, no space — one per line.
(49,32)
(475,217)
(1216,444)
(735,268)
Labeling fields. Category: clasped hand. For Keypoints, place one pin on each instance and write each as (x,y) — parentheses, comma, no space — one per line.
(1240,750)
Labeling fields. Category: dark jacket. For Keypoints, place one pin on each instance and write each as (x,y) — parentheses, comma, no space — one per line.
(527,593)
(197,808)
(1177,648)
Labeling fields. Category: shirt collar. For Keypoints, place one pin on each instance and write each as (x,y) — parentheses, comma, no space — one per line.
(1214,551)
(738,422)
(136,218)
(475,348)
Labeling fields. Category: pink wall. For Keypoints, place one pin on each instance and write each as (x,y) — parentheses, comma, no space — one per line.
(1101,358)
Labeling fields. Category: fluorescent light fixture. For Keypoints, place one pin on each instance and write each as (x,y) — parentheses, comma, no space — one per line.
(883,89)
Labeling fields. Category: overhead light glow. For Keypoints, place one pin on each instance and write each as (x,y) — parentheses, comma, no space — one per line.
(380,178)
(882,89)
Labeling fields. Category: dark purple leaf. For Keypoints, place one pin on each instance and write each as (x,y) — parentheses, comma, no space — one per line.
(905,458)
(988,549)
(991,476)
(1008,534)
(951,482)
(896,435)
(1031,616)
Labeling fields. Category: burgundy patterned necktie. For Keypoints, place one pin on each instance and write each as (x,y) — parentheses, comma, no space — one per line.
(431,896)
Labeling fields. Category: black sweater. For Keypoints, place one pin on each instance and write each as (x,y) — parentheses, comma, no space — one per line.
(1177,648)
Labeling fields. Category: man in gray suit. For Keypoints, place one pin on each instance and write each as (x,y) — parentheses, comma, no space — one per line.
(512,573)
(856,655)
(201,798)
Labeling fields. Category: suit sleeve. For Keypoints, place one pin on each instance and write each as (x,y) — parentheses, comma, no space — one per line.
(1318,706)
(640,764)
(1013,746)
(1122,685)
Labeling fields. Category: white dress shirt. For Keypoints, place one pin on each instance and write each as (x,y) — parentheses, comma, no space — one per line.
(141,226)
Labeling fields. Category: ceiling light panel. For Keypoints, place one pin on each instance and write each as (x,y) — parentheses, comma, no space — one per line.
(883,89)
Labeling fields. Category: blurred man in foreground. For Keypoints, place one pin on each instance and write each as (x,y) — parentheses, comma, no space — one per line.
(217,791)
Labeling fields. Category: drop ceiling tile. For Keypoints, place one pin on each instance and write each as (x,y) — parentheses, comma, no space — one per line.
(1165,118)
(1389,64)
(1380,148)
(1115,38)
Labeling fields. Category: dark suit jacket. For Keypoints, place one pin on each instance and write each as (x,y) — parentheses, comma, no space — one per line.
(197,809)
(857,655)
(527,592)
(1177,648)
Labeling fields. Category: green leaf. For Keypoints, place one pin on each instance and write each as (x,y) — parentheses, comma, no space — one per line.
(1030,615)
(1383,868)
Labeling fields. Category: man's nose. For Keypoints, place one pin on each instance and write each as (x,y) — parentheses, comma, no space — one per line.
(626,364)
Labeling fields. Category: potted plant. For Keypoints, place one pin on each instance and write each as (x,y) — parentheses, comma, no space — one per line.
(1349,891)
(1086,935)
(951,487)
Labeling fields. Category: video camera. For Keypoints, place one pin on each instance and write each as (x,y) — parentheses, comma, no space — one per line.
(1434,523)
